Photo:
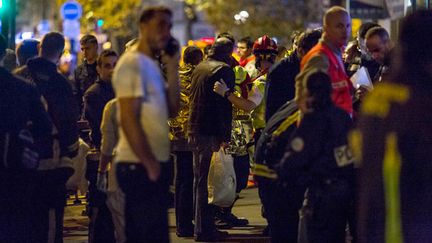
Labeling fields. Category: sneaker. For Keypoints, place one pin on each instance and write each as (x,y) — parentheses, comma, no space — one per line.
(213,236)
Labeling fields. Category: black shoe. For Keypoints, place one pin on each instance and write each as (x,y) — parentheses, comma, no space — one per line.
(221,224)
(266,231)
(234,220)
(185,233)
(213,236)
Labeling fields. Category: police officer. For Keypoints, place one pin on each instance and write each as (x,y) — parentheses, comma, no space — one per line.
(395,195)
(318,149)
(86,74)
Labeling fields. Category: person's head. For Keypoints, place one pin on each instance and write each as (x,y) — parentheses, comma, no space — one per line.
(306,41)
(227,35)
(352,51)
(155,25)
(361,35)
(265,50)
(221,50)
(206,50)
(52,46)
(318,91)
(192,55)
(26,50)
(244,47)
(89,47)
(378,43)
(413,62)
(106,63)
(337,26)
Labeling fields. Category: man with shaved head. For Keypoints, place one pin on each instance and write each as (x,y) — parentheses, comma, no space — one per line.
(330,198)
(326,56)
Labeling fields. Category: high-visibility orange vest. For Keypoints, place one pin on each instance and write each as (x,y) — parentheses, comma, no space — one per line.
(341,84)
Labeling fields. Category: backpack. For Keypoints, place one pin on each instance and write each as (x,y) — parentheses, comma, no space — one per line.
(17,146)
(271,145)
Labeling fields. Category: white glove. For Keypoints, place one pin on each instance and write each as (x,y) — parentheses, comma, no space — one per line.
(220,87)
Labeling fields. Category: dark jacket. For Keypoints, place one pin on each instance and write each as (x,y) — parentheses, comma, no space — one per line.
(396,150)
(210,114)
(20,104)
(320,146)
(84,76)
(62,106)
(281,84)
(95,99)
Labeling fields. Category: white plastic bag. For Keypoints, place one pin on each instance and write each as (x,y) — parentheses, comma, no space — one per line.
(221,180)
(78,180)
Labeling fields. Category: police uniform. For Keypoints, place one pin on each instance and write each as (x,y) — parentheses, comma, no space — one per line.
(280,202)
(318,150)
(394,144)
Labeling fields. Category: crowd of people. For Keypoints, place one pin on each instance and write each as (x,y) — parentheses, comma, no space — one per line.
(334,157)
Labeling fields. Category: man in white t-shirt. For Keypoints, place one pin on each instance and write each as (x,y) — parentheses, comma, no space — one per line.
(145,100)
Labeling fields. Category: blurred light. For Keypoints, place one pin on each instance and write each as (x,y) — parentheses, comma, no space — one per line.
(106,45)
(1,3)
(89,14)
(237,17)
(100,22)
(244,14)
(27,35)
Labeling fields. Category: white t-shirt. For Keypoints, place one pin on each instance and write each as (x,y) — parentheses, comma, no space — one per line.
(137,75)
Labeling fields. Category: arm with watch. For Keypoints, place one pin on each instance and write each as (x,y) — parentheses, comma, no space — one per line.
(254,99)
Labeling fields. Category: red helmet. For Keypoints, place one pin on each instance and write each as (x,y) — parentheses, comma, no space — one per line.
(265,44)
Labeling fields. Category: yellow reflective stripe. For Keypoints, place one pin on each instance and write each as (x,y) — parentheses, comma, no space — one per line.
(264,171)
(378,102)
(391,177)
(355,140)
(285,124)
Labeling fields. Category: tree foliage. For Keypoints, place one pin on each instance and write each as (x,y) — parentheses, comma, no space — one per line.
(119,16)
(277,18)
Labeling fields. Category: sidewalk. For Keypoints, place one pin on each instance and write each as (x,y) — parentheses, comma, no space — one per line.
(248,206)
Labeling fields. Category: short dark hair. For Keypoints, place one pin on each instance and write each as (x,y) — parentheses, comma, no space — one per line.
(379,31)
(26,50)
(148,13)
(365,27)
(192,55)
(249,42)
(3,46)
(227,35)
(106,53)
(309,39)
(88,39)
(52,44)
(319,86)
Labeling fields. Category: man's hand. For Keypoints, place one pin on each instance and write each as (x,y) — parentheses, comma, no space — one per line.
(102,182)
(361,92)
(153,170)
(220,87)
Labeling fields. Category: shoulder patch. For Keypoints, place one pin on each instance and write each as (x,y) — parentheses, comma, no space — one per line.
(297,144)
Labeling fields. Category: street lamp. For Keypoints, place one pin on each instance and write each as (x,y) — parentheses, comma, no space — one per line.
(241,17)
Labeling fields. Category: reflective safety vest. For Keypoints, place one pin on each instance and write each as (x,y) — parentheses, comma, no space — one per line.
(341,84)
